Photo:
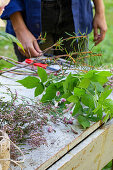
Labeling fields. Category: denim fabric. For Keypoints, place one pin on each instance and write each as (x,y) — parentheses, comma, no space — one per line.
(55,26)
(31,10)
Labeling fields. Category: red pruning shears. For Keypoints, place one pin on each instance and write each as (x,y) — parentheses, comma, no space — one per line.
(29,61)
(45,66)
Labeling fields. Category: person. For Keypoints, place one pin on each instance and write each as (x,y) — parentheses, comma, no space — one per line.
(26,19)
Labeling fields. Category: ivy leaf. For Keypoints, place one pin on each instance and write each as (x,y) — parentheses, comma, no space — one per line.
(39,90)
(104,95)
(88,100)
(83,121)
(73,99)
(77,109)
(84,83)
(42,74)
(50,93)
(79,92)
(29,82)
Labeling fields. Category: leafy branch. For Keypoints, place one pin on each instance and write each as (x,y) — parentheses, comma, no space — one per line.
(85,91)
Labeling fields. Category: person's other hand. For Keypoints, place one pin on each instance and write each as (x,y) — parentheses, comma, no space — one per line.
(100,28)
(29,43)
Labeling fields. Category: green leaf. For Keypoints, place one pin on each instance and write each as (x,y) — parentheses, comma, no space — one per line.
(84,83)
(104,95)
(73,99)
(83,121)
(106,118)
(42,74)
(70,83)
(39,90)
(98,86)
(108,106)
(50,93)
(88,100)
(29,82)
(79,92)
(108,103)
(91,89)
(105,73)
(90,74)
(59,86)
(98,76)
(77,109)
(99,113)
(97,108)
(66,95)
(10,38)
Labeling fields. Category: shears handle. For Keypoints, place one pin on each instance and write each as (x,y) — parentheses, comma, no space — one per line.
(29,61)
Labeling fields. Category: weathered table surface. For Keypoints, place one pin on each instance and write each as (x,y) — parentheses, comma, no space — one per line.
(60,142)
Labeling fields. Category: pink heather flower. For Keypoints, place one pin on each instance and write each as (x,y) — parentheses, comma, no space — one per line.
(57,93)
(55,74)
(50,129)
(71,112)
(70,122)
(65,120)
(63,100)
(66,105)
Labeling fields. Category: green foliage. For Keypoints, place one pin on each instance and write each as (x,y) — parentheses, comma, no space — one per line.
(83,121)
(39,89)
(29,82)
(50,93)
(10,38)
(85,91)
(42,74)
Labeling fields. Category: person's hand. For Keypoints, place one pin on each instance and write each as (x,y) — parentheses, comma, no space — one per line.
(29,43)
(26,38)
(100,28)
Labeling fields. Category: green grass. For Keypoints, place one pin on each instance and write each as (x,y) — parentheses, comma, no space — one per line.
(6,49)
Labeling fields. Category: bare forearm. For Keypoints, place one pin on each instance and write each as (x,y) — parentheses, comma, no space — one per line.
(99,22)
(27,39)
(99,6)
(18,22)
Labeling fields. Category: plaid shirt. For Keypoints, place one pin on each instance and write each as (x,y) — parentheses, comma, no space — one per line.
(31,11)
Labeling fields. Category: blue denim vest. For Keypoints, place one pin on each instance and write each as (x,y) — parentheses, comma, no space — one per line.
(31,10)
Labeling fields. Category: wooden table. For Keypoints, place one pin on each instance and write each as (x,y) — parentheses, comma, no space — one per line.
(89,149)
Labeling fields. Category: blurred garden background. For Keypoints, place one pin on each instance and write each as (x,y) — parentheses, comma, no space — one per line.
(106,47)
